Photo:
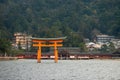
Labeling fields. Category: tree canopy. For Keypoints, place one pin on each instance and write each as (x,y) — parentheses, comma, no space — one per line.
(5,46)
(56,18)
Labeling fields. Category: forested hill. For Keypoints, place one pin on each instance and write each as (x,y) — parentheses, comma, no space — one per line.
(55,18)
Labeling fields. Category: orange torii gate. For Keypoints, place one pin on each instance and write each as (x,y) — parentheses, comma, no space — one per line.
(47,42)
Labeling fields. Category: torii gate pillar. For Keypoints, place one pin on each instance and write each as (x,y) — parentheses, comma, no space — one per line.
(47,42)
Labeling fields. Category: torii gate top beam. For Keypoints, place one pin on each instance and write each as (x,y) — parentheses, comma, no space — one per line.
(48,39)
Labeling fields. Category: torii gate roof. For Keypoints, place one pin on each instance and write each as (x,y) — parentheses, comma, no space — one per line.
(48,39)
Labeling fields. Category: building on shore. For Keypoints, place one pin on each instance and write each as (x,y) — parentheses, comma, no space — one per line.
(116,43)
(23,40)
(104,38)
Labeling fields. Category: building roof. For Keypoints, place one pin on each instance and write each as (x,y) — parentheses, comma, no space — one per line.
(104,36)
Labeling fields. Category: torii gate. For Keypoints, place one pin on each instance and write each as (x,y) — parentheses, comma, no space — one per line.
(47,42)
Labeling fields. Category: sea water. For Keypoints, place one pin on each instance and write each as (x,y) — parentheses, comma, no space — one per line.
(63,70)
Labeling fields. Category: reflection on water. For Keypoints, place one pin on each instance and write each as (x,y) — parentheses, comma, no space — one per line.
(63,70)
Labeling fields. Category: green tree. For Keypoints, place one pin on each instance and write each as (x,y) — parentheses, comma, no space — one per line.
(83,47)
(111,47)
(5,46)
(104,48)
(19,46)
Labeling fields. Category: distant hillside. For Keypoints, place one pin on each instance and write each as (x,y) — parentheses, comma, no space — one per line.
(55,18)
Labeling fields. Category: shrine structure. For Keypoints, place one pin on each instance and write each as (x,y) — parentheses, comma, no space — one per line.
(47,42)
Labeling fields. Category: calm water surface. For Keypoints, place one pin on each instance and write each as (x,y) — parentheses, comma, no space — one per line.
(63,70)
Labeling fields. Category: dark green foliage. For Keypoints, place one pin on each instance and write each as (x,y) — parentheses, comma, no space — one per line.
(108,48)
(56,18)
(104,49)
(5,46)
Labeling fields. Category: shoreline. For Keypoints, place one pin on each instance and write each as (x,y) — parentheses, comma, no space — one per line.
(8,58)
(16,58)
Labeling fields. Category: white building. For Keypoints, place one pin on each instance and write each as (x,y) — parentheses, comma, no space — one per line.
(93,45)
(116,43)
(104,38)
